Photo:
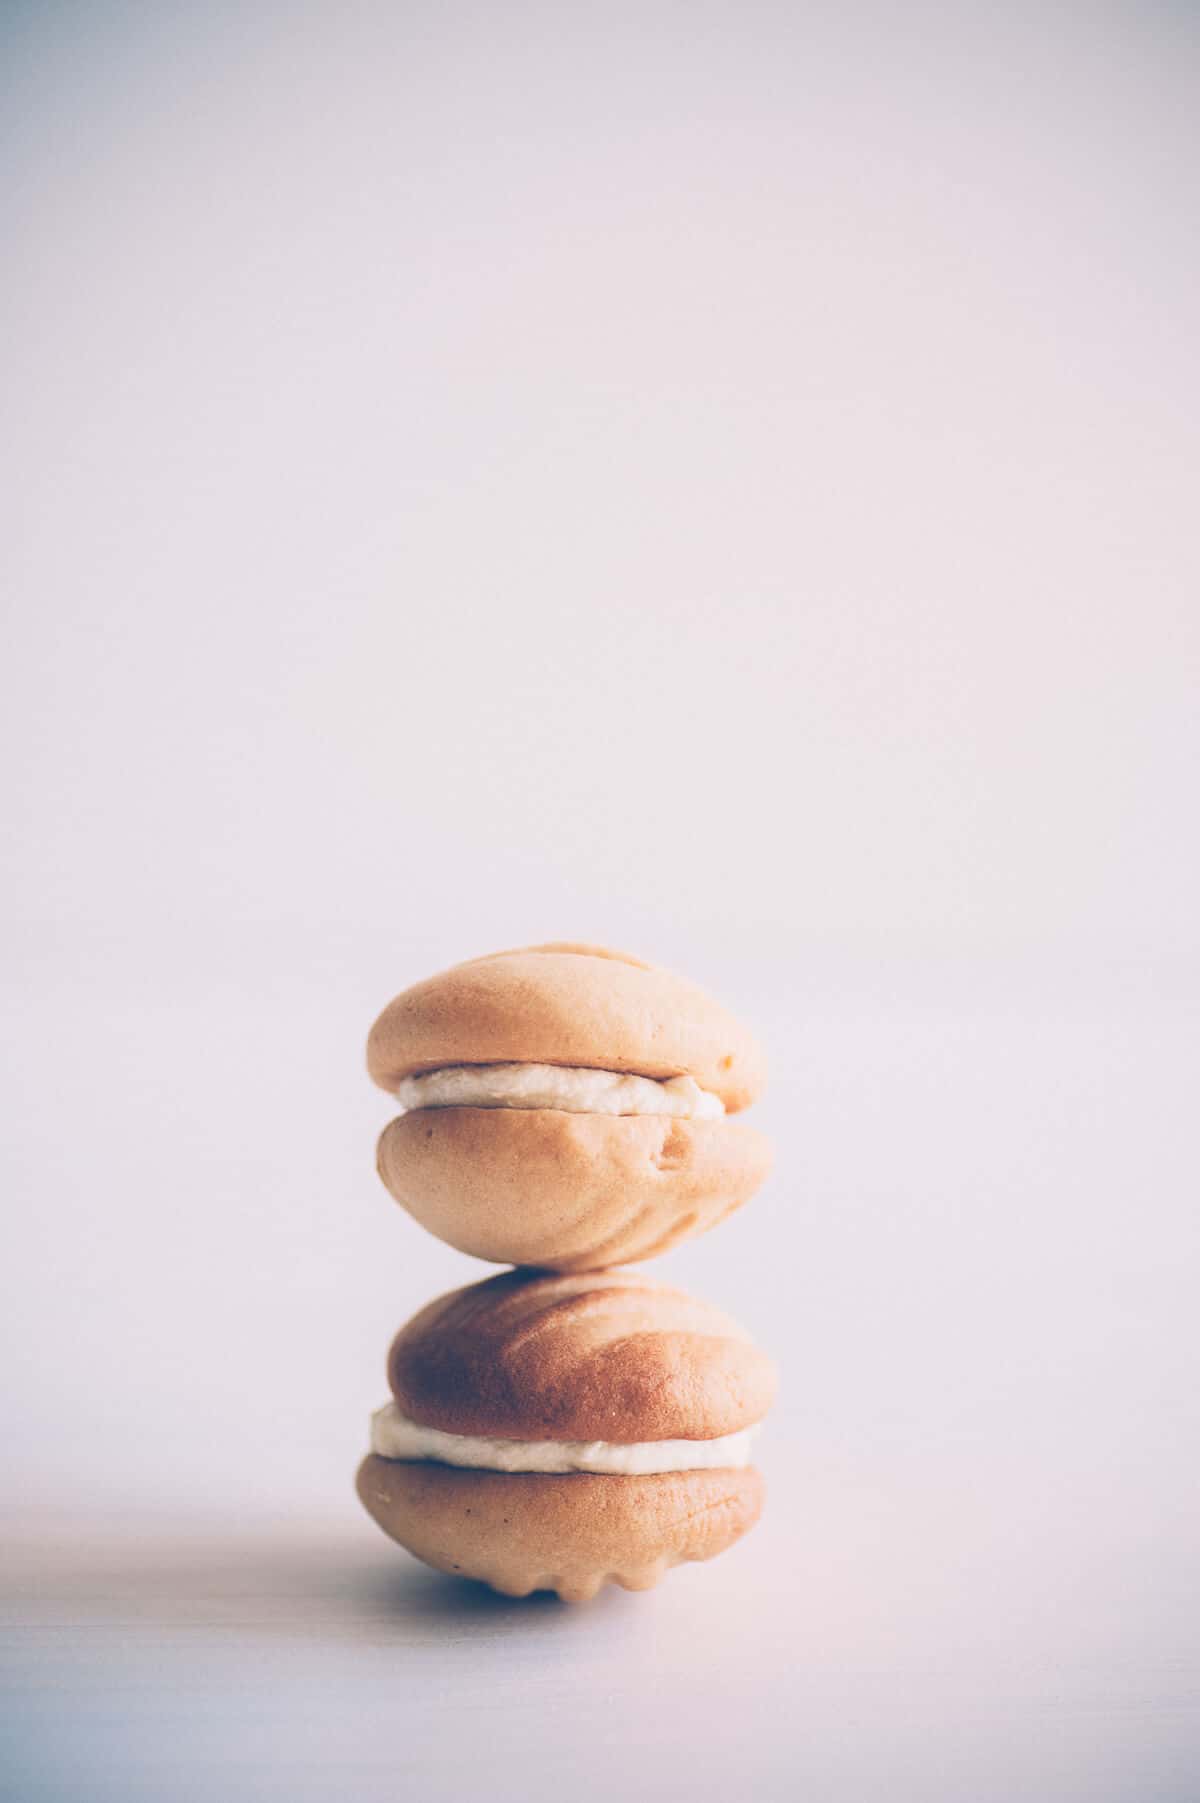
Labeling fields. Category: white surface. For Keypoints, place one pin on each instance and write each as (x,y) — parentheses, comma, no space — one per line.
(977,1571)
(716,481)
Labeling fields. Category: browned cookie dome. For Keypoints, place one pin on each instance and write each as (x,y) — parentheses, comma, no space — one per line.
(601,1356)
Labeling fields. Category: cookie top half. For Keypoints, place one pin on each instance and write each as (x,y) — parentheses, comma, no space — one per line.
(606,1355)
(571,1005)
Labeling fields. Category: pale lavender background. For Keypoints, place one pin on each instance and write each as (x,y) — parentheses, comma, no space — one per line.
(715,479)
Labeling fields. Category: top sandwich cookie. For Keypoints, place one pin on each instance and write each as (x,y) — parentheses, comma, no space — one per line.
(566,1107)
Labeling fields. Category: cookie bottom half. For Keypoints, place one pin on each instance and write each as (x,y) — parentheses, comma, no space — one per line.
(568,1192)
(521,1532)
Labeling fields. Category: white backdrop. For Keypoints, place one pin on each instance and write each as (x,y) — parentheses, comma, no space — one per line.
(714,479)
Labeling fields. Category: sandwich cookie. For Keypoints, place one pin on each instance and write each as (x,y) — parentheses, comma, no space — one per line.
(566,1107)
(552,1432)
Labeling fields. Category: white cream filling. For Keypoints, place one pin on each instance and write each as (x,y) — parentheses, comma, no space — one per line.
(394,1436)
(574,1090)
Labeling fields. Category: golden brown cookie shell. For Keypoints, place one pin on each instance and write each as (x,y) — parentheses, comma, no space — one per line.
(521,1533)
(570,1006)
(608,1355)
(568,1192)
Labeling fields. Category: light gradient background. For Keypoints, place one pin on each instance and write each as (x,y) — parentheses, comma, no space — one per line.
(716,479)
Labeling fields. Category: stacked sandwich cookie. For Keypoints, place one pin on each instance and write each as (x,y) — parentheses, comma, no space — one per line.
(566,1110)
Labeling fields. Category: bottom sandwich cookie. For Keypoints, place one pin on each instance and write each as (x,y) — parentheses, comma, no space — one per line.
(554,1432)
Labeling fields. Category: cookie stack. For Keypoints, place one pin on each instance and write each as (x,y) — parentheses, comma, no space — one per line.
(566,1111)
